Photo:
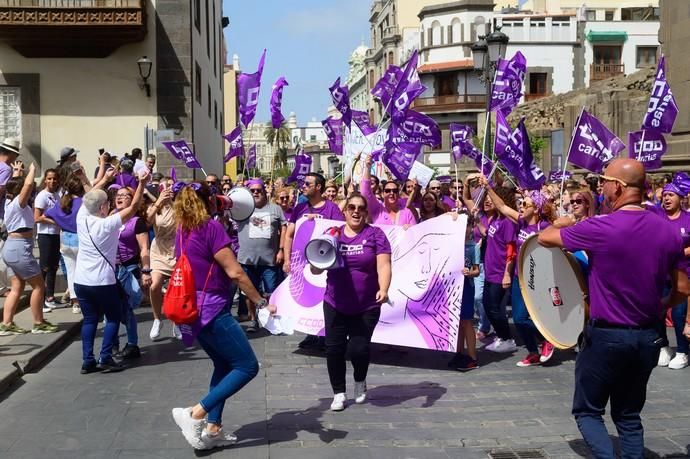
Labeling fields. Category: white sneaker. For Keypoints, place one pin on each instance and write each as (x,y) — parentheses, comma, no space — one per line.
(53,305)
(492,345)
(665,356)
(338,403)
(679,362)
(177,334)
(504,346)
(46,309)
(76,309)
(155,329)
(360,392)
(191,428)
(218,440)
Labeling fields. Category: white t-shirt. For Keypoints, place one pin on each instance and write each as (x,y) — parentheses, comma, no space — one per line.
(44,201)
(92,269)
(16,217)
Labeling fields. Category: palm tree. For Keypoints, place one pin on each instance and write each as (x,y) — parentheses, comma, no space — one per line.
(280,138)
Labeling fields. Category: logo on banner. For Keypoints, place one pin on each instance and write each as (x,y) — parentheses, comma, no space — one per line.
(601,152)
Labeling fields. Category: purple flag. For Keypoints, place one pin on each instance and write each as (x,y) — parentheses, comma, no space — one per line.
(173,174)
(593,145)
(376,154)
(251,157)
(248,85)
(459,134)
(475,155)
(333,127)
(341,100)
(384,89)
(415,128)
(507,88)
(400,157)
(302,168)
(556,176)
(181,151)
(361,119)
(277,118)
(662,109)
(408,89)
(651,151)
(236,144)
(517,157)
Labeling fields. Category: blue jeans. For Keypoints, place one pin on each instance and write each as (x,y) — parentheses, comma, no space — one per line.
(96,301)
(264,278)
(614,364)
(523,322)
(234,362)
(484,325)
(678,313)
(495,299)
(128,277)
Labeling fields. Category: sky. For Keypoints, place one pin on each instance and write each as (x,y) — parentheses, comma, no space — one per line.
(308,42)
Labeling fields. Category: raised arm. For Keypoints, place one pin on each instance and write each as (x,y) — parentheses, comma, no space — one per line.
(129,212)
(500,205)
(27,188)
(374,205)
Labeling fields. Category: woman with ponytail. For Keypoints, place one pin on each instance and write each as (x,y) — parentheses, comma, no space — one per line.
(207,246)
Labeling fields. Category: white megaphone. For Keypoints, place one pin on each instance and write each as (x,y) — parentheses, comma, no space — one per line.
(323,252)
(241,205)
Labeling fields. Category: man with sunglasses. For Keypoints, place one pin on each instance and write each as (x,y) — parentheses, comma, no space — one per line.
(620,344)
(212,182)
(315,207)
(389,212)
(259,252)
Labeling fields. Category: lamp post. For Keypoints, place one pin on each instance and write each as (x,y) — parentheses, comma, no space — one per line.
(145,64)
(485,53)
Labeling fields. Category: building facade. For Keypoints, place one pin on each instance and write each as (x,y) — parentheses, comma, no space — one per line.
(357,80)
(69,77)
(230,118)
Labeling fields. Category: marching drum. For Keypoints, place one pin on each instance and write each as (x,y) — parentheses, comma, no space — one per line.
(554,291)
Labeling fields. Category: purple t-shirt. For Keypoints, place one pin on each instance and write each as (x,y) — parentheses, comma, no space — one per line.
(126,179)
(127,245)
(499,234)
(450,202)
(66,222)
(328,210)
(631,254)
(681,225)
(352,289)
(525,231)
(201,246)
(476,234)
(378,214)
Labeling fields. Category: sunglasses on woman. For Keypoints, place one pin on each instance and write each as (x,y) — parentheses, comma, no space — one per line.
(353,208)
(576,201)
(391,190)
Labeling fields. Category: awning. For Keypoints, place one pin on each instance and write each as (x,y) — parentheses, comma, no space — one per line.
(607,36)
(464,64)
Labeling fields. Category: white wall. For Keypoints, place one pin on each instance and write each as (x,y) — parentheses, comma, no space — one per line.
(639,34)
(91,103)
(559,57)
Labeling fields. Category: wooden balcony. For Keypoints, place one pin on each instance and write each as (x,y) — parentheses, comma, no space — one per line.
(454,103)
(71,28)
(603,71)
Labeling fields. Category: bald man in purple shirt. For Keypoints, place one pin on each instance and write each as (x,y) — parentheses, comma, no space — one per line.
(632,252)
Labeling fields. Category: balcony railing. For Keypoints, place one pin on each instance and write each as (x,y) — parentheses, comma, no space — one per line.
(450,103)
(71,28)
(390,32)
(604,71)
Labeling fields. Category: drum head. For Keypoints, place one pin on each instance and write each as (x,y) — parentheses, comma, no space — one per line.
(554,291)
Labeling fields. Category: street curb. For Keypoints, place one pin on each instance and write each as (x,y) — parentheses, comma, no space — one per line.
(12,371)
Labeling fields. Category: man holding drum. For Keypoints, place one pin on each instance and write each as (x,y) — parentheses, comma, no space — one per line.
(621,344)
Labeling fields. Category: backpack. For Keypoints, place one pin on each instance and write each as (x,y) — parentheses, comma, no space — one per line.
(179,303)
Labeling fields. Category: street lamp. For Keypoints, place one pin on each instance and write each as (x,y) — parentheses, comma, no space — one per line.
(485,53)
(145,64)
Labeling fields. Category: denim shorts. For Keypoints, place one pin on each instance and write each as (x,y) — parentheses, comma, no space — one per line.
(18,255)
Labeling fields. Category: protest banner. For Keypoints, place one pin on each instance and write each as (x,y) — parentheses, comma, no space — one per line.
(425,294)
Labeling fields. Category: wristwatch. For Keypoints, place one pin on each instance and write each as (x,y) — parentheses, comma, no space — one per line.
(262,304)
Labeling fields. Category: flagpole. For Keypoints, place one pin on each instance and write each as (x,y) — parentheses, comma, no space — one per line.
(639,155)
(567,156)
(488,117)
(251,132)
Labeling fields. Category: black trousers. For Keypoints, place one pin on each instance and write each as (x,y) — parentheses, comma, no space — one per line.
(49,259)
(348,335)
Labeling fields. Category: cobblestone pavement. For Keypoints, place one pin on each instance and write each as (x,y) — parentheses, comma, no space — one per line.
(416,409)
